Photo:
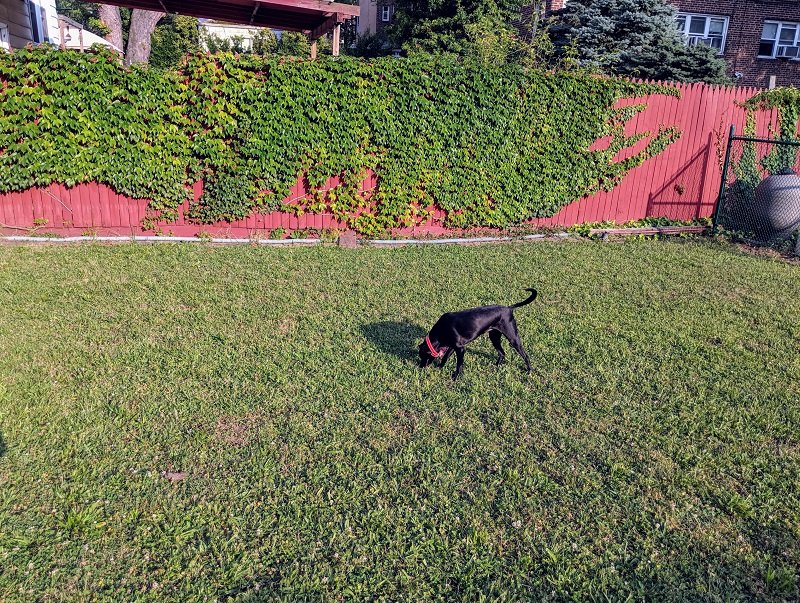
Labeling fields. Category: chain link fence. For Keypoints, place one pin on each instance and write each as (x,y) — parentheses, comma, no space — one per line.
(759,198)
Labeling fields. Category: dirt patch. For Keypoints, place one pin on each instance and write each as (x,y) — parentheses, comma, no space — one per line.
(286,325)
(174,476)
(237,430)
(769,252)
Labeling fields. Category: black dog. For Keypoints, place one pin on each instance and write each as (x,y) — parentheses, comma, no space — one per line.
(454,330)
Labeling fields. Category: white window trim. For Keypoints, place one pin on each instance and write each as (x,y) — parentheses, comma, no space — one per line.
(36,22)
(387,10)
(780,24)
(687,16)
(5,42)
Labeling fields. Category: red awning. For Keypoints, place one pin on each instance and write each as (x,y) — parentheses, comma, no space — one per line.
(312,17)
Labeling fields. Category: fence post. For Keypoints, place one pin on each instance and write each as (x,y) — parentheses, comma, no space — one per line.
(723,185)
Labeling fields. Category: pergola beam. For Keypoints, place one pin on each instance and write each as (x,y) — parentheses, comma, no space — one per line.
(327,26)
(313,17)
(350,10)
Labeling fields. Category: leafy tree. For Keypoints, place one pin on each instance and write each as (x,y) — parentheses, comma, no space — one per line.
(369,46)
(488,32)
(126,29)
(91,16)
(174,37)
(296,44)
(450,26)
(634,38)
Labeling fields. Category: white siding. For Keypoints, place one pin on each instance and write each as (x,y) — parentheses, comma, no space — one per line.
(14,13)
(16,16)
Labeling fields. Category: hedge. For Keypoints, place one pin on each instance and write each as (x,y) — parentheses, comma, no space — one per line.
(488,146)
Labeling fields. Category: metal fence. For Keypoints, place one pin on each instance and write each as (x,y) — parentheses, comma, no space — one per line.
(759,196)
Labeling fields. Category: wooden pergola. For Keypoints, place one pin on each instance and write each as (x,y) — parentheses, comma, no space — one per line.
(314,18)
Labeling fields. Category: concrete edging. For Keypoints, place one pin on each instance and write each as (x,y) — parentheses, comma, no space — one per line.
(273,242)
(153,239)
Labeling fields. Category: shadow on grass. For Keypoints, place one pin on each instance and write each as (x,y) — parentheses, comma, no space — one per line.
(393,337)
(697,574)
(2,445)
(402,338)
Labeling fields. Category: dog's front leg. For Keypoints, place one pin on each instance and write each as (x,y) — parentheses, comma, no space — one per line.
(445,357)
(459,362)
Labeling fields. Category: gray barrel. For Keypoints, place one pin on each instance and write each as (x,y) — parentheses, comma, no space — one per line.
(776,210)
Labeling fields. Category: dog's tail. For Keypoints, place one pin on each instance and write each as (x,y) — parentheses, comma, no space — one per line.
(527,301)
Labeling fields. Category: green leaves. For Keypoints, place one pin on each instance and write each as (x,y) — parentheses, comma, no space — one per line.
(787,103)
(488,146)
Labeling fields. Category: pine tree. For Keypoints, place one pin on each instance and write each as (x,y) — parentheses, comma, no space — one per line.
(636,38)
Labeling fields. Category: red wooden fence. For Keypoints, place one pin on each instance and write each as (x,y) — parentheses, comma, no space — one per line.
(680,183)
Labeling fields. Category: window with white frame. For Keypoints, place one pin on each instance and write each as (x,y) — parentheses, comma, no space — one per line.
(386,13)
(38,15)
(36,22)
(710,30)
(4,41)
(780,40)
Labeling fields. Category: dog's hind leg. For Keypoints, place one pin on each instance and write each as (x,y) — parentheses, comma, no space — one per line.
(509,329)
(497,340)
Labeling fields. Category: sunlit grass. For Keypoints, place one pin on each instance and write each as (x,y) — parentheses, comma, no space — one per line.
(190,423)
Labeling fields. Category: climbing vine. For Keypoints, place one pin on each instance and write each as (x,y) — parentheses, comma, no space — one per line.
(489,146)
(787,103)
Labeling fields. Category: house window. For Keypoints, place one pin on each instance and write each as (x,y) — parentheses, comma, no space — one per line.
(386,13)
(38,15)
(36,22)
(710,30)
(780,40)
(4,43)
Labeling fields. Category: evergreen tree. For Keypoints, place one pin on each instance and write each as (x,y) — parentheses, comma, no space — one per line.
(636,38)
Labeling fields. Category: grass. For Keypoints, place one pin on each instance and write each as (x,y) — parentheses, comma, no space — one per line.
(191,423)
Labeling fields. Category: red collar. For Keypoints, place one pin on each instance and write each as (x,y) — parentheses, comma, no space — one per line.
(432,349)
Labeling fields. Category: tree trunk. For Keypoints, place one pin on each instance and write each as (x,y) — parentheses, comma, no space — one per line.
(110,17)
(143,23)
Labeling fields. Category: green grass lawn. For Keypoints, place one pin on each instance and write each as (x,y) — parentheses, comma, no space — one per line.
(194,423)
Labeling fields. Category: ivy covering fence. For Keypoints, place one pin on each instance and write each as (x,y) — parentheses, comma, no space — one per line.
(486,146)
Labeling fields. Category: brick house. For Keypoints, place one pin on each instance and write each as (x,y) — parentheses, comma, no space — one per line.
(375,16)
(760,39)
